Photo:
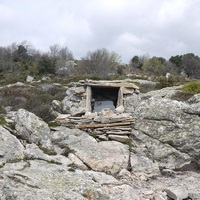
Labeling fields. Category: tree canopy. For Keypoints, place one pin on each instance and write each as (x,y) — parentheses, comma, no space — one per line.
(102,63)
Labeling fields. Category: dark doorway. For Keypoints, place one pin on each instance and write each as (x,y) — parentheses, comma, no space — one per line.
(104,97)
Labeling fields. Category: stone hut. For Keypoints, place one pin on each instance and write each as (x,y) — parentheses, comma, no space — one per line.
(88,96)
(101,108)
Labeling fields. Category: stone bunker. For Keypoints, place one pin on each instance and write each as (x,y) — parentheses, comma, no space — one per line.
(101,108)
(107,94)
(88,96)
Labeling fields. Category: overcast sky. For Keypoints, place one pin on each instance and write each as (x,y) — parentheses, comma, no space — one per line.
(128,27)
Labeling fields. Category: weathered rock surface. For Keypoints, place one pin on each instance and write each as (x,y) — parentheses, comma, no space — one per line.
(165,137)
(33,129)
(107,156)
(167,92)
(177,192)
(194,195)
(41,180)
(10,148)
(172,125)
(131,102)
(74,103)
(194,99)
(29,79)
(33,152)
(57,106)
(164,154)
(143,167)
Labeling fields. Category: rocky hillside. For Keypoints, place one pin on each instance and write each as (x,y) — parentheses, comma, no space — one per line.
(159,160)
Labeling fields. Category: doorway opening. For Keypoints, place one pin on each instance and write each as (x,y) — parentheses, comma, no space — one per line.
(104,97)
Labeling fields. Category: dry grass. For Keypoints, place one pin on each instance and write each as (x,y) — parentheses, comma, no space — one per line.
(181,96)
(32,99)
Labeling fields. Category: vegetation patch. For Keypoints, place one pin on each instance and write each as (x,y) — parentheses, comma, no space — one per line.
(191,87)
(2,120)
(54,124)
(35,100)
(71,169)
(163,81)
(90,195)
(147,87)
(67,151)
(182,96)
(53,162)
(8,78)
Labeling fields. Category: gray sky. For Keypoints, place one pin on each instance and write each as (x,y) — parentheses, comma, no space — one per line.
(128,27)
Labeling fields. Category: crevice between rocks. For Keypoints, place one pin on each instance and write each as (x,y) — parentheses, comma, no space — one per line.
(83,162)
(129,166)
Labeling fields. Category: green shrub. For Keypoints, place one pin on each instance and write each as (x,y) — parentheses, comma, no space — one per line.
(2,120)
(144,88)
(10,78)
(191,87)
(163,82)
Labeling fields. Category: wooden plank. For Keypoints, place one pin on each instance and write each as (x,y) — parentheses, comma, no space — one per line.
(82,126)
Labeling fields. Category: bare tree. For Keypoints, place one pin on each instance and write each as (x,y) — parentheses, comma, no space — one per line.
(62,57)
(60,52)
(100,62)
(191,65)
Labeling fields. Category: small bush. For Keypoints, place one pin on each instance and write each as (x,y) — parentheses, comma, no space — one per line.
(144,88)
(192,87)
(165,82)
(2,120)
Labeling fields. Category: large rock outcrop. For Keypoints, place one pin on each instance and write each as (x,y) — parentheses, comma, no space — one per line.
(107,156)
(38,180)
(170,130)
(31,128)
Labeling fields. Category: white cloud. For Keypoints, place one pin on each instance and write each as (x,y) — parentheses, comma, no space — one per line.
(5,14)
(172,11)
(128,27)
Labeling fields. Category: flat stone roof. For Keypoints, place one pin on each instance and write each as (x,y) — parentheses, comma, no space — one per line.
(113,83)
